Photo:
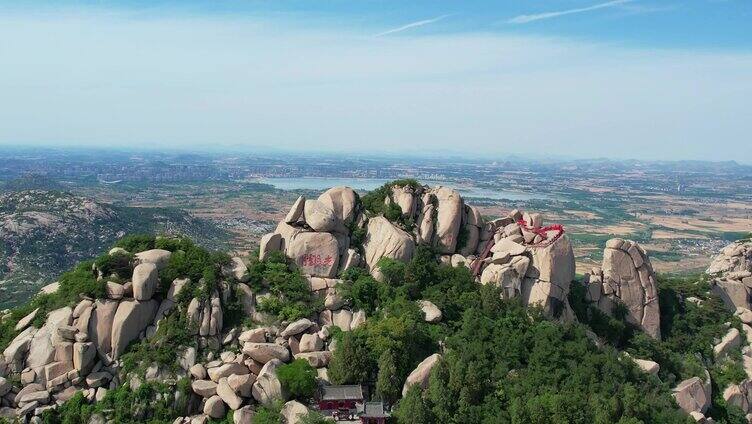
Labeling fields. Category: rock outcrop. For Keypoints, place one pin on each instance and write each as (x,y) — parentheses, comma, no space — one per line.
(317,254)
(132,317)
(693,395)
(731,270)
(421,374)
(627,278)
(386,240)
(81,348)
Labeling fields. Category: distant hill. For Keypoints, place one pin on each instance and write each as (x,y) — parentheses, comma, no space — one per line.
(44,232)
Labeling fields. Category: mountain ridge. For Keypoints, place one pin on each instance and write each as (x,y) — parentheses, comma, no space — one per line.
(407,292)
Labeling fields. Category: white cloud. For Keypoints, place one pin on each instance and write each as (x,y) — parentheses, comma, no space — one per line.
(411,25)
(523,19)
(198,82)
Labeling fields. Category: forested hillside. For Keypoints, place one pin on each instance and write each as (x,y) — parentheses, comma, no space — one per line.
(407,299)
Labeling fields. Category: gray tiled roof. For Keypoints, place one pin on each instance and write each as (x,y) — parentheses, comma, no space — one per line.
(354,392)
(374,410)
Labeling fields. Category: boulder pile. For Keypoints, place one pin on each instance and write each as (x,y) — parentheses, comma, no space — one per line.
(731,279)
(77,348)
(732,274)
(319,236)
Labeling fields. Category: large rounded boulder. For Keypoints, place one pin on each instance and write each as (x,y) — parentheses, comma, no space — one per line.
(319,216)
(385,240)
(341,200)
(316,254)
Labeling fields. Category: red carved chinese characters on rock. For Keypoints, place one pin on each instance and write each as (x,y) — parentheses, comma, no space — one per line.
(316,260)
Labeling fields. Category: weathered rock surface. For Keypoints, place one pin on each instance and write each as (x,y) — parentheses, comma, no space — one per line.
(296,211)
(316,359)
(293,412)
(431,313)
(158,257)
(737,256)
(204,388)
(627,278)
(226,370)
(131,318)
(319,216)
(650,367)
(296,327)
(316,254)
(549,274)
(25,321)
(269,243)
(265,352)
(145,281)
(385,240)
(732,339)
(310,343)
(215,407)
(267,387)
(693,395)
(16,351)
(341,200)
(42,346)
(228,395)
(242,384)
(421,373)
(448,219)
(100,325)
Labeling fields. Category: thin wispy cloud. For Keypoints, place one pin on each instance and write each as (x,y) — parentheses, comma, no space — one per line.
(523,19)
(412,25)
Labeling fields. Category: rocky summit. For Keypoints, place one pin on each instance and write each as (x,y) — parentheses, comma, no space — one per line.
(406,303)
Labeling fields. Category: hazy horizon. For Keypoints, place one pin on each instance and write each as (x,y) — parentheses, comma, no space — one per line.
(575,79)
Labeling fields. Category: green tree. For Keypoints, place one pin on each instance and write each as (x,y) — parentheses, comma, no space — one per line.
(413,409)
(352,362)
(298,378)
(388,383)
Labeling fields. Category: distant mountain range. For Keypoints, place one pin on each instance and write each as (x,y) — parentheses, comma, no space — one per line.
(43,233)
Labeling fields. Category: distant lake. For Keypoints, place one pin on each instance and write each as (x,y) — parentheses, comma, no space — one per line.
(367,184)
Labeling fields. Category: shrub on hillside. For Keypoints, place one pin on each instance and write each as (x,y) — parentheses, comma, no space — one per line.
(298,378)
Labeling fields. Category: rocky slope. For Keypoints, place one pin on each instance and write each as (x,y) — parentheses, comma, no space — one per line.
(382,291)
(43,233)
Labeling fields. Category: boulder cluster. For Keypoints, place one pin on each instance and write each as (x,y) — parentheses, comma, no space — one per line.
(732,274)
(319,235)
(77,348)
(729,275)
(245,373)
(731,279)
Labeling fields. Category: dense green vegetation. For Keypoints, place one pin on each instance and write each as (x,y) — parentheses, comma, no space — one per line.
(688,333)
(503,363)
(291,296)
(375,202)
(298,378)
(383,351)
(507,365)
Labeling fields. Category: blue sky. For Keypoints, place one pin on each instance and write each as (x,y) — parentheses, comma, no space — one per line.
(668,79)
